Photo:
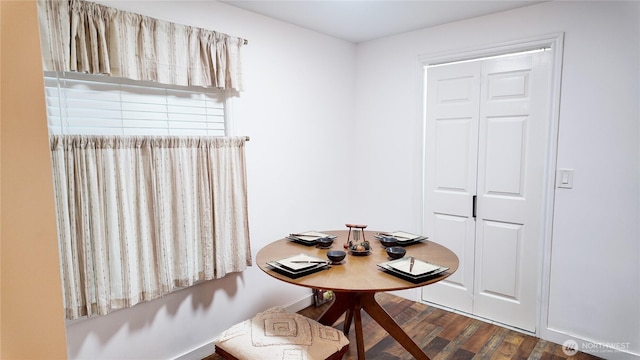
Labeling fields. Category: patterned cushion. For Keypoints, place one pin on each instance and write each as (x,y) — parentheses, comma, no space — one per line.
(278,334)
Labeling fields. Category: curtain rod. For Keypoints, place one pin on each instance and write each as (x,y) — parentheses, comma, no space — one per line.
(246,138)
(246,42)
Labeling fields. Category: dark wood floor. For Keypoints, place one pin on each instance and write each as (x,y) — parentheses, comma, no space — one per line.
(443,335)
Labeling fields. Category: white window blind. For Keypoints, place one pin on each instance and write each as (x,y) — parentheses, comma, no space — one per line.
(85,104)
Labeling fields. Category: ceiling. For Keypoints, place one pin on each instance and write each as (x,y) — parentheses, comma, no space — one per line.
(362,20)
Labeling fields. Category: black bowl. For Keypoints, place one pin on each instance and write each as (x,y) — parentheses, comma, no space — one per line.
(325,242)
(336,255)
(396,252)
(388,241)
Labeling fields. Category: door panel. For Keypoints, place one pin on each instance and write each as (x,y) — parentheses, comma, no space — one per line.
(505,146)
(451,137)
(452,155)
(487,126)
(500,260)
(453,161)
(512,147)
(457,290)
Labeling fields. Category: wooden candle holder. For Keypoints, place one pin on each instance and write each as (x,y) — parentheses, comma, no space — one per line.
(357,227)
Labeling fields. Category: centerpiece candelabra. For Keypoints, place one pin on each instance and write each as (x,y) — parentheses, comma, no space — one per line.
(356,229)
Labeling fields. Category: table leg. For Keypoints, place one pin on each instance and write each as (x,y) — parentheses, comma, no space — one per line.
(359,336)
(348,317)
(351,304)
(371,306)
(343,302)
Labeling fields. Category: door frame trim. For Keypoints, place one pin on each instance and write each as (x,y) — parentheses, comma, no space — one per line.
(555,41)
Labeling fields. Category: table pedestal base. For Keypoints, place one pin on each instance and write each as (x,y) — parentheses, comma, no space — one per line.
(350,304)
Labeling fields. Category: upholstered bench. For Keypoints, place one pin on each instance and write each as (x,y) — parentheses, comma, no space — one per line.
(276,334)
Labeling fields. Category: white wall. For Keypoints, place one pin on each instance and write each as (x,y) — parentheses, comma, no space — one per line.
(594,287)
(296,108)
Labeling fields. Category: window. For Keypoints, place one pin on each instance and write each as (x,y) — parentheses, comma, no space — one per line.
(150,193)
(84,104)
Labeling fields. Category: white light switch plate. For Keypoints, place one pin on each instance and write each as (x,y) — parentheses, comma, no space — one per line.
(564,178)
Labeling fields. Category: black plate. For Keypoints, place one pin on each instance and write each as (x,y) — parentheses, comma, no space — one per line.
(360,253)
(296,274)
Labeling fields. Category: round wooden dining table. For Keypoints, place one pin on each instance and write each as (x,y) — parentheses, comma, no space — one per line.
(357,279)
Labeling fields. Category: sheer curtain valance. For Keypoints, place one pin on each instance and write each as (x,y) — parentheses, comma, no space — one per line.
(82,36)
(139,216)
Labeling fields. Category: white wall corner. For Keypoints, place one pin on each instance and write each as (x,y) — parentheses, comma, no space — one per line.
(300,304)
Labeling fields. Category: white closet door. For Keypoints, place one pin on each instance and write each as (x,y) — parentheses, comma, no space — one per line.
(513,143)
(487,128)
(453,95)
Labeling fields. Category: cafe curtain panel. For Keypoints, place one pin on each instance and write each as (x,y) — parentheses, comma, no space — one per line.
(82,36)
(141,216)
